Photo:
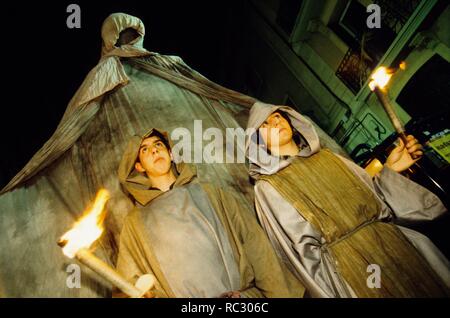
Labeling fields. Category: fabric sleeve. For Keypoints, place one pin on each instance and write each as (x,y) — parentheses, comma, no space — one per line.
(126,265)
(130,262)
(408,200)
(405,199)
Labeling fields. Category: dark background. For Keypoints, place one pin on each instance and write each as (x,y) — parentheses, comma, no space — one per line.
(45,62)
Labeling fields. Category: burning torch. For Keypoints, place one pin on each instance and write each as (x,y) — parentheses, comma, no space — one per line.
(378,84)
(77,241)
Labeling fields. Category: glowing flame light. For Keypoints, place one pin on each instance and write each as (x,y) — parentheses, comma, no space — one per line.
(88,229)
(380,78)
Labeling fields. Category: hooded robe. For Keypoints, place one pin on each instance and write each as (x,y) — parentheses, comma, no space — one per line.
(330,222)
(196,239)
(117,99)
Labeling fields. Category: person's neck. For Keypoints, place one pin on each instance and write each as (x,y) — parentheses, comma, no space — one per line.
(288,149)
(163,182)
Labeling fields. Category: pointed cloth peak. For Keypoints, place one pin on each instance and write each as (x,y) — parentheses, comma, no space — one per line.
(116,23)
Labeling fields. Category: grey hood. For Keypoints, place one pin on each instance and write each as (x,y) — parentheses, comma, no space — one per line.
(261,162)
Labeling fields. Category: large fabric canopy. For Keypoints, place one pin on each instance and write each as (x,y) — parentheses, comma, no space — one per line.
(128,92)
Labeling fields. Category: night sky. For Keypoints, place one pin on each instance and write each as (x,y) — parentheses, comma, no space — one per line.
(45,62)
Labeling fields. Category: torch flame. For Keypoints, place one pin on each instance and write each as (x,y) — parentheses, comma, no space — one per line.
(380,78)
(88,229)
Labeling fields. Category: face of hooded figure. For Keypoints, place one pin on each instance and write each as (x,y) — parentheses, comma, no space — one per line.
(146,169)
(154,157)
(277,133)
(304,140)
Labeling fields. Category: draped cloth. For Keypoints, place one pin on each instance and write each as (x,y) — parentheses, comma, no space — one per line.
(110,74)
(129,90)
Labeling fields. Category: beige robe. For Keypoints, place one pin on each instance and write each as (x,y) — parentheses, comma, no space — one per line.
(259,272)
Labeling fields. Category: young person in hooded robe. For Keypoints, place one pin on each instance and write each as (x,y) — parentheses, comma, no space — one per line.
(331,223)
(196,239)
